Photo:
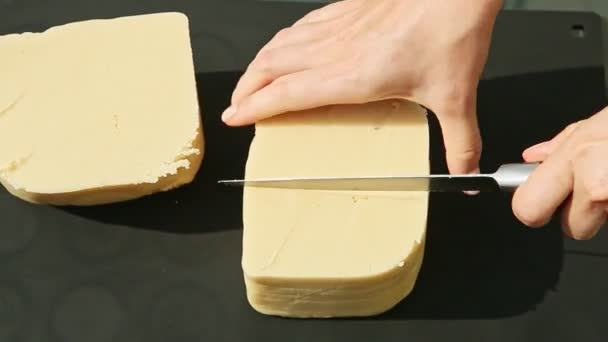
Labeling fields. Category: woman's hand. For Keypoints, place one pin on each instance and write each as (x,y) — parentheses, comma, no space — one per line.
(355,51)
(573,177)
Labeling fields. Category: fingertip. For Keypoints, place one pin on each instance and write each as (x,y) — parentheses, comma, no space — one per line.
(463,167)
(530,219)
(473,192)
(526,212)
(229,113)
(236,118)
(537,152)
(532,157)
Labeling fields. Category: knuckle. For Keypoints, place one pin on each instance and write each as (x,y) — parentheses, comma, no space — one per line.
(282,89)
(580,150)
(282,33)
(571,127)
(577,133)
(594,183)
(345,34)
(472,153)
(265,61)
(315,14)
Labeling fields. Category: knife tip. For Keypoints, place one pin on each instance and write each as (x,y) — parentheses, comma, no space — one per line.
(229,181)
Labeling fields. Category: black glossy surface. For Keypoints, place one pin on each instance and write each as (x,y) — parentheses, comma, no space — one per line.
(167,267)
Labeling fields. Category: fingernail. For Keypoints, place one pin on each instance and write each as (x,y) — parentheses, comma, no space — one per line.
(228,113)
(474,192)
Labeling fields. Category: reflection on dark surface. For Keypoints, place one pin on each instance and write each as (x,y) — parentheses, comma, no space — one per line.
(202,206)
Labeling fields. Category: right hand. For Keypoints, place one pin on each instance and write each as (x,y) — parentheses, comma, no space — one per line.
(354,51)
(572,179)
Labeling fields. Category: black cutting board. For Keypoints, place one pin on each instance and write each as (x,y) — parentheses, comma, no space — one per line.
(167,267)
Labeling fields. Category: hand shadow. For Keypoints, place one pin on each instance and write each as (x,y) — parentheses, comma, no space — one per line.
(203,205)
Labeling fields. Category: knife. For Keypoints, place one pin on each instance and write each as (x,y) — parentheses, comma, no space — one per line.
(506,178)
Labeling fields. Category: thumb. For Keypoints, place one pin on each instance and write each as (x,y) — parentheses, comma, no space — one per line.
(462,139)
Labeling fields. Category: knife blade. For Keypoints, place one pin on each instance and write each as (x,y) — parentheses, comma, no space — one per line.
(506,178)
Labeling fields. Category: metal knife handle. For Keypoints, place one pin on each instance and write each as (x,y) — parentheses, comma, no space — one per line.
(510,176)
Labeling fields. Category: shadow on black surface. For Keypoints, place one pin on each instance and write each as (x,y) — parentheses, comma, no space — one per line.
(203,205)
(479,261)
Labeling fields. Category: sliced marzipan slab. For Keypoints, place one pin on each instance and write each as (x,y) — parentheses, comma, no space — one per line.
(312,253)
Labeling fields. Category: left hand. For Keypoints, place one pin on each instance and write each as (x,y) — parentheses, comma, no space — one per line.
(356,51)
(573,177)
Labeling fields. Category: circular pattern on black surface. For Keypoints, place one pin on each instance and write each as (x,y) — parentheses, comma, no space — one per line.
(17,230)
(185,250)
(98,242)
(12,314)
(219,53)
(89,314)
(181,313)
